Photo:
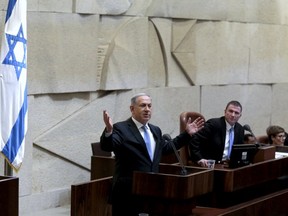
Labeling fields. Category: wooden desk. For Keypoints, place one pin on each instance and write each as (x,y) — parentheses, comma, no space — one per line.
(271,204)
(235,186)
(229,180)
(282,149)
(260,187)
(86,198)
(9,193)
(265,152)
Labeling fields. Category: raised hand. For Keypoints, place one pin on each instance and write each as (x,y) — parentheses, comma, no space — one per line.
(108,122)
(195,126)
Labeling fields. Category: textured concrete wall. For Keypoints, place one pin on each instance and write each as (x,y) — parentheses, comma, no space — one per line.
(190,55)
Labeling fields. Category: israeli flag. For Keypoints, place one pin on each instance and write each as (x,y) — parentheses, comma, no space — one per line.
(13,84)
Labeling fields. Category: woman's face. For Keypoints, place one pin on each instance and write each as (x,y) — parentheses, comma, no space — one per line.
(278,139)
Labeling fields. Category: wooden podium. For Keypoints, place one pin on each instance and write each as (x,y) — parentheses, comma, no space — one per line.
(170,193)
(165,193)
(242,186)
(9,190)
(261,187)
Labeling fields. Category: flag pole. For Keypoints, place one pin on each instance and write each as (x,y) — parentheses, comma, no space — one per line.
(8,171)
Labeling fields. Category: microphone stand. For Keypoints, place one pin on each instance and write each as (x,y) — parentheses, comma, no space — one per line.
(183,169)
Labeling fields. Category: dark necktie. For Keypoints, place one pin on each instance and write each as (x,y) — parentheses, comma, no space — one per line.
(147,141)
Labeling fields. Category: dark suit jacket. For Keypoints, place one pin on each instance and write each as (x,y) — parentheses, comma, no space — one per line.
(131,155)
(286,139)
(209,142)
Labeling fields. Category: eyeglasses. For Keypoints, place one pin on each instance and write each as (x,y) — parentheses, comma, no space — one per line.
(281,136)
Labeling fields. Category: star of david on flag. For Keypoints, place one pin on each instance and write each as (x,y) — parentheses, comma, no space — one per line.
(13,84)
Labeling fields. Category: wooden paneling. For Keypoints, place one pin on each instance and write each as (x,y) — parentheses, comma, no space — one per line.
(91,198)
(102,167)
(170,193)
(271,204)
(229,180)
(9,193)
(257,189)
(198,181)
(264,153)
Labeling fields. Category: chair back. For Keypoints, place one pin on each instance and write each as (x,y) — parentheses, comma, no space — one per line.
(97,151)
(263,139)
(184,151)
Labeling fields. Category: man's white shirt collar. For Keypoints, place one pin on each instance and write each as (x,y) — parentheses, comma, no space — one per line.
(138,124)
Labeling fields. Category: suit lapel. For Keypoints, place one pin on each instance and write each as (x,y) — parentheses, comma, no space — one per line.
(135,132)
(236,133)
(223,128)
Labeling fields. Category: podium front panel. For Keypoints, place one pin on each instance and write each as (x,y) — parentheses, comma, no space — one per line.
(168,183)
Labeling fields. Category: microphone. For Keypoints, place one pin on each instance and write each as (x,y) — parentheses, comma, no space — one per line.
(168,138)
(247,128)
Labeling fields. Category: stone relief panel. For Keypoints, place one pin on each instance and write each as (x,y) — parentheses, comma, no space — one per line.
(2,17)
(189,55)
(247,11)
(268,54)
(62,54)
(231,53)
(131,54)
(126,59)
(113,7)
(63,6)
(174,73)
(71,135)
(279,104)
(185,59)
(250,11)
(3,5)
(157,70)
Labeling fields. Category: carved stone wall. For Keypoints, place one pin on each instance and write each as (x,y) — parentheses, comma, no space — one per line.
(85,56)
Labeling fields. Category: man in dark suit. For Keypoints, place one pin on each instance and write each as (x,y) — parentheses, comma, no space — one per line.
(126,140)
(212,142)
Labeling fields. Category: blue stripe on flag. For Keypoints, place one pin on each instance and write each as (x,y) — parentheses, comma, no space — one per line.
(11,5)
(17,135)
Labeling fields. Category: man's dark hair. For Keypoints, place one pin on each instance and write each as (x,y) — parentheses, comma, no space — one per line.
(234,103)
